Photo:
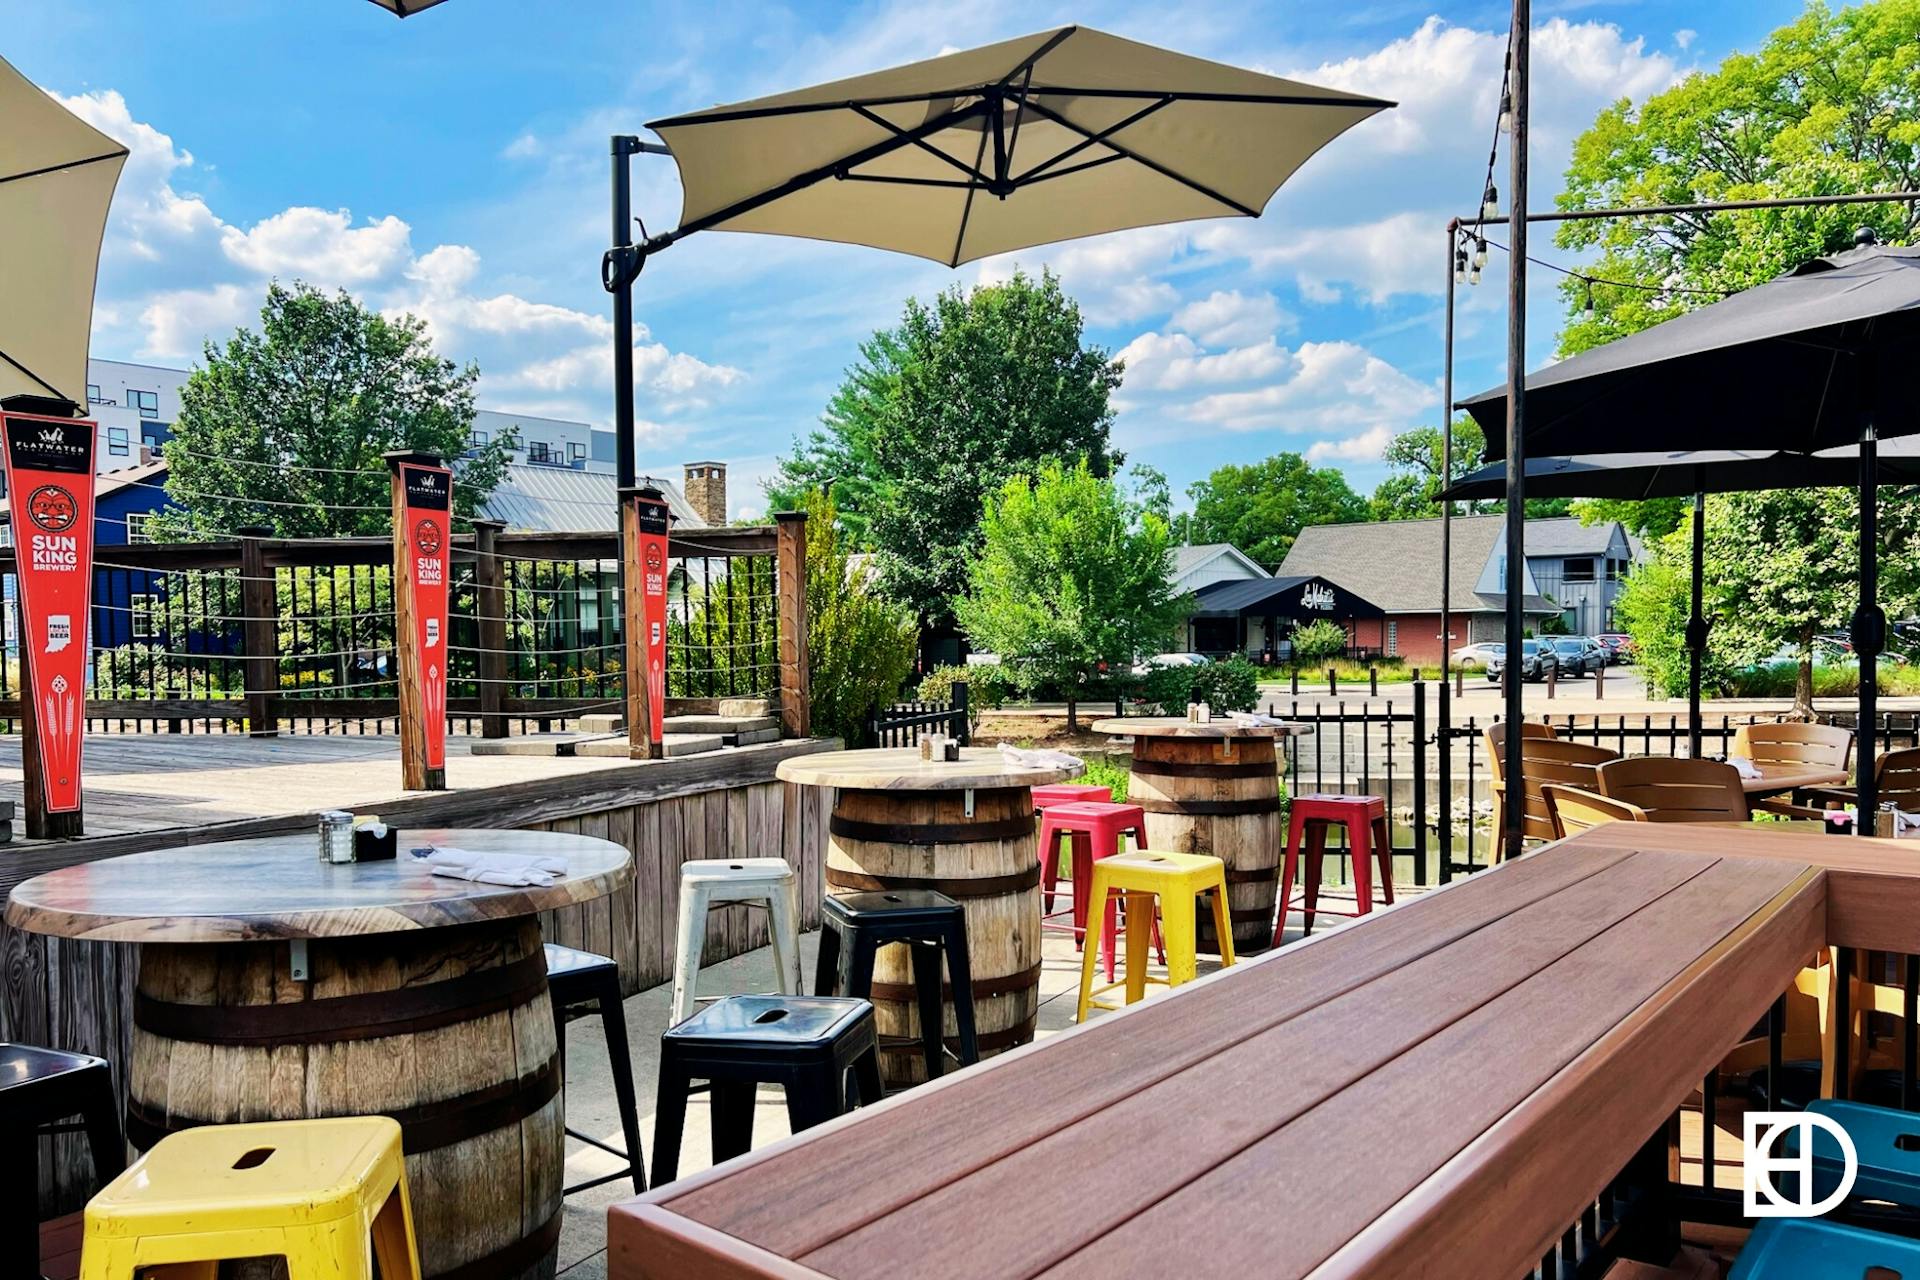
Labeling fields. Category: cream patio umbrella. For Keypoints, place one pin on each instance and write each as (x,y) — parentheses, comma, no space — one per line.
(57,175)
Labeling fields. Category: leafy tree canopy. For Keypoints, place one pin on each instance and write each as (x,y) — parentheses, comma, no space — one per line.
(1261,507)
(939,411)
(285,426)
(1416,461)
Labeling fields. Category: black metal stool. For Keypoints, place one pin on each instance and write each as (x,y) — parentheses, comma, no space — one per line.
(580,983)
(859,924)
(38,1088)
(805,1043)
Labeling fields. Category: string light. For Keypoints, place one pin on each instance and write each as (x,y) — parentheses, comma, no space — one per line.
(1490,202)
(1506,113)
(1460,264)
(1479,252)
(1586,312)
(1473,277)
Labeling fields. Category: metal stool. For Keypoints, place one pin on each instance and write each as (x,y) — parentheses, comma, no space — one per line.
(1176,879)
(38,1089)
(1050,794)
(1368,839)
(580,983)
(767,882)
(805,1043)
(1799,1248)
(856,926)
(1095,829)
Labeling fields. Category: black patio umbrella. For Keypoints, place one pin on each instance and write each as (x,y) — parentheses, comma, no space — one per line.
(1816,359)
(1689,473)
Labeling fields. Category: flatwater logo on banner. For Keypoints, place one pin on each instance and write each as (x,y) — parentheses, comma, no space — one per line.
(651,521)
(1761,1197)
(50,499)
(429,504)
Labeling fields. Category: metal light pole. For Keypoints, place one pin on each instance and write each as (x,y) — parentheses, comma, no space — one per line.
(1515,808)
(1446,576)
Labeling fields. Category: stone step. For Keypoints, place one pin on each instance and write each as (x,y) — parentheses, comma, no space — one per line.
(602,722)
(539,744)
(674,744)
(720,724)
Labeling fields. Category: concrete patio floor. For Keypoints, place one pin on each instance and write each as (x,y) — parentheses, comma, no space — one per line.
(590,1103)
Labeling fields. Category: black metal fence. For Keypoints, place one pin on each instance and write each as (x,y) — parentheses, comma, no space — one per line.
(900,725)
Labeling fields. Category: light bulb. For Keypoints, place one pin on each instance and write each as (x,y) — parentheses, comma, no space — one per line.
(1506,113)
(1473,277)
(1586,312)
(1490,203)
(1460,265)
(1480,252)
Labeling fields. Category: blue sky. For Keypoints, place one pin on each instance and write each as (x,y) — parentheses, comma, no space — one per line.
(455,165)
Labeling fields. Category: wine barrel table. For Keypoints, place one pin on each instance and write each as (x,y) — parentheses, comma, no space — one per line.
(274,986)
(1214,788)
(966,829)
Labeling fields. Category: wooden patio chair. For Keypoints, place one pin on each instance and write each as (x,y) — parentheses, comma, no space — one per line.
(1896,776)
(1546,761)
(1573,810)
(1496,736)
(1793,745)
(1673,789)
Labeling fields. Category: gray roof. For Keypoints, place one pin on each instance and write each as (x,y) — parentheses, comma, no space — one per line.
(1566,536)
(1396,563)
(1264,596)
(1188,558)
(533,498)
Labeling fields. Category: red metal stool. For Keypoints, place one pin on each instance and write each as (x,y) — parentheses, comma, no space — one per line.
(1058,793)
(1368,838)
(1096,829)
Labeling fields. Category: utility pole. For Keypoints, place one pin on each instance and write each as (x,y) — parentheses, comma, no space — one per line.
(1515,807)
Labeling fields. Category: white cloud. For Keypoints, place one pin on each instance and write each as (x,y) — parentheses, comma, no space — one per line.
(1171,362)
(524,147)
(1684,37)
(1334,386)
(178,322)
(322,246)
(1368,446)
(1231,318)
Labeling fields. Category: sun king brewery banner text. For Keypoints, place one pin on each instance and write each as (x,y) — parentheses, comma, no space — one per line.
(651,514)
(429,507)
(50,496)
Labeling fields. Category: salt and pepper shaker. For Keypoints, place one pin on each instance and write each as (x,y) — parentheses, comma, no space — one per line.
(336,836)
(926,746)
(950,750)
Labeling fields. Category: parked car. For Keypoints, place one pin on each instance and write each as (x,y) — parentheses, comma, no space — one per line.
(1577,655)
(1474,656)
(1619,646)
(1145,665)
(1536,660)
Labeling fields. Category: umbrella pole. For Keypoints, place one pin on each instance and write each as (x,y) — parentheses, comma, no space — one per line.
(1869,631)
(1445,737)
(1515,809)
(1696,624)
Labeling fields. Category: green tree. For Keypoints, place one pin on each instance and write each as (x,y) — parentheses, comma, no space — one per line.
(1647,517)
(859,645)
(1830,104)
(1070,580)
(285,426)
(939,411)
(1415,463)
(1262,507)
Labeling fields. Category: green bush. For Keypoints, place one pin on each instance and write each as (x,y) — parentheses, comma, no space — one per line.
(988,687)
(1106,771)
(1169,688)
(1841,680)
(859,645)
(1233,685)
(1318,641)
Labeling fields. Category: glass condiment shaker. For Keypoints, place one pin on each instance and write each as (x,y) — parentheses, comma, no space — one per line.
(336,836)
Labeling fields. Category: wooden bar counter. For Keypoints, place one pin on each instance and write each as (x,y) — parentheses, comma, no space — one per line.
(966,829)
(1214,788)
(1435,1091)
(275,986)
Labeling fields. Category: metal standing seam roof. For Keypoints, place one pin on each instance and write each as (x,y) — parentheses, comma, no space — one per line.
(532,498)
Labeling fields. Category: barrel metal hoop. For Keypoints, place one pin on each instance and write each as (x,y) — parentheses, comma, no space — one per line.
(426,1127)
(1010,984)
(931,832)
(1257,875)
(514,1259)
(1208,808)
(971,887)
(986,1041)
(1204,769)
(362,1016)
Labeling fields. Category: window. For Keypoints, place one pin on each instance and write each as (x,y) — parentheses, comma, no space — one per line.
(1577,569)
(147,402)
(117,441)
(1393,641)
(137,530)
(1616,569)
(141,607)
(576,452)
(93,394)
(155,440)
(476,440)
(540,451)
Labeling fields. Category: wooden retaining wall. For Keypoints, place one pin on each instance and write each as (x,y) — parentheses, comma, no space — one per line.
(75,995)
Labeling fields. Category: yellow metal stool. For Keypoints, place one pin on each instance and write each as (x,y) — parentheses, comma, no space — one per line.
(1176,879)
(327,1195)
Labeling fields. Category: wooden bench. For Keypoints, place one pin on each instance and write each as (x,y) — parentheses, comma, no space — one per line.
(1437,1092)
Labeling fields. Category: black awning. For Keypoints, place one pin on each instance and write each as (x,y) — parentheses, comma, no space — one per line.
(1302,599)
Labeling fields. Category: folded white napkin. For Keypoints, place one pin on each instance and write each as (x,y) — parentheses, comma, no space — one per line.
(1743,766)
(495,868)
(1038,758)
(1253,719)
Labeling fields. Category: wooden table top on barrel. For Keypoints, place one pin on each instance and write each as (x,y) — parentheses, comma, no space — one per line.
(902,769)
(1181,727)
(277,887)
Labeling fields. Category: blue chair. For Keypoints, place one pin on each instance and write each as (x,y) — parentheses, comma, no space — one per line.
(1888,1144)
(1813,1249)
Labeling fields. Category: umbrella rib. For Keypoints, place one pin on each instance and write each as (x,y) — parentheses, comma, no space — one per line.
(1095,139)
(966,208)
(922,143)
(36,377)
(951,184)
(1071,169)
(1154,165)
(1051,43)
(68,164)
(1249,99)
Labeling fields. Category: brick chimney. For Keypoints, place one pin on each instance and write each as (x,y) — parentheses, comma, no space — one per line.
(706,488)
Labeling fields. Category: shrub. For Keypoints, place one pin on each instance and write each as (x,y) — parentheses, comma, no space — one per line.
(988,687)
(1233,685)
(1169,688)
(1318,641)
(859,646)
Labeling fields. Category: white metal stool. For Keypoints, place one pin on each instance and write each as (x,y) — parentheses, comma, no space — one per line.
(767,882)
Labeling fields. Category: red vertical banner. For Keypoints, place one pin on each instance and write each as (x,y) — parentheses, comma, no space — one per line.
(428,498)
(651,514)
(50,497)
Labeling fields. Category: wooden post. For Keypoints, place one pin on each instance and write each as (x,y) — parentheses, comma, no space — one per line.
(259,606)
(414,773)
(633,630)
(41,824)
(796,694)
(490,618)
